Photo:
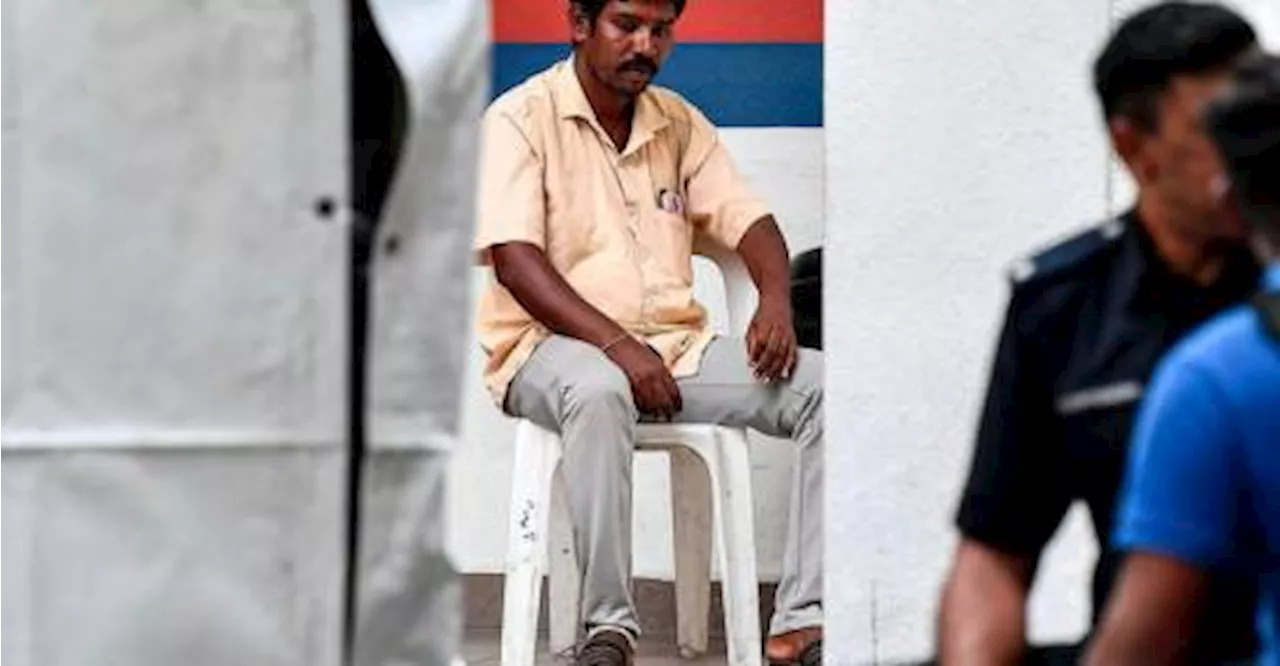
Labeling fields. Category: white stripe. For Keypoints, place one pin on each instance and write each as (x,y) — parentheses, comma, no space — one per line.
(1111,395)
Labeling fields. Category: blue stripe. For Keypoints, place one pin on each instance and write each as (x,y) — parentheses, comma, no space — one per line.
(736,85)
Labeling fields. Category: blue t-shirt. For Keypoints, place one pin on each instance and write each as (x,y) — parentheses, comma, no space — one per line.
(1203,479)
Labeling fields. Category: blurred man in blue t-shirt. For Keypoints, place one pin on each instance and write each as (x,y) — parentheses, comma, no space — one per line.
(1203,482)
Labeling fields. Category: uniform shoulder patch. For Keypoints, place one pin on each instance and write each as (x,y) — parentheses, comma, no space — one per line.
(1066,254)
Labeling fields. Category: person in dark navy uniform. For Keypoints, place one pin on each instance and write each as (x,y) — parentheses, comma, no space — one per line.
(1088,319)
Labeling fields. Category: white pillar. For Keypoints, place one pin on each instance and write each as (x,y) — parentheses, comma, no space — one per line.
(959,137)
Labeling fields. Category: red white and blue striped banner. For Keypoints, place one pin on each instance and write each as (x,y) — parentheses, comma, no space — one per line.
(745,63)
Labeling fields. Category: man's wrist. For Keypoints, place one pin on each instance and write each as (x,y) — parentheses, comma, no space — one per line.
(613,342)
(780,293)
(775,299)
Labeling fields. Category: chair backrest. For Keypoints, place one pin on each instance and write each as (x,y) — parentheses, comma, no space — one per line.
(739,290)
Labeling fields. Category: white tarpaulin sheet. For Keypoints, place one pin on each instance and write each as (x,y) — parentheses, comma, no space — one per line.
(166,280)
(174,315)
(408,595)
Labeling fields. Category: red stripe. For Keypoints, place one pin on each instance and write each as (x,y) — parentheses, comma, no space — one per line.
(758,21)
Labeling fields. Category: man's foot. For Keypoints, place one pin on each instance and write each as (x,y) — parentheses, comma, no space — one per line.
(607,647)
(802,646)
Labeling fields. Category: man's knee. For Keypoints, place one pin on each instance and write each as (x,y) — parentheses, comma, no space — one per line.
(807,391)
(809,378)
(600,387)
(809,375)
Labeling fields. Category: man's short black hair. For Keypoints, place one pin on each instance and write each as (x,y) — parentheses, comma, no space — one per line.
(1156,44)
(590,9)
(1245,124)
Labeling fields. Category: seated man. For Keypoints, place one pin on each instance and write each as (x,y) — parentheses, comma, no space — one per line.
(1203,486)
(593,185)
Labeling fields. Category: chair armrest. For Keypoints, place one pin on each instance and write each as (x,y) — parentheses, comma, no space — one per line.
(740,292)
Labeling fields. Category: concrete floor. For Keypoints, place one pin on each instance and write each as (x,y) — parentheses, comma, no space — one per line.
(482,648)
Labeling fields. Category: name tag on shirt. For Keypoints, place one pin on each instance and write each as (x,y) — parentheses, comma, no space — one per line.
(1099,397)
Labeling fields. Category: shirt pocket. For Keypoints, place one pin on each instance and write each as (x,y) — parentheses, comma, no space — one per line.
(667,232)
(670,245)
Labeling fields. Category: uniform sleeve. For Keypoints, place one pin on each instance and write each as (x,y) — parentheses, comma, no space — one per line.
(1016,494)
(1181,489)
(720,203)
(511,201)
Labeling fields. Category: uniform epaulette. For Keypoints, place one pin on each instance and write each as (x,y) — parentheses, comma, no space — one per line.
(1066,254)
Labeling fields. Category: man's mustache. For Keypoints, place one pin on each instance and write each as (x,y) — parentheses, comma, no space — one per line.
(640,64)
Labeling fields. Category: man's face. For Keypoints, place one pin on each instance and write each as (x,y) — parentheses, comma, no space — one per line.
(1177,162)
(628,42)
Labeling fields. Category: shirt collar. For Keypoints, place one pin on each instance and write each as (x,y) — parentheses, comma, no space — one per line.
(1151,284)
(572,101)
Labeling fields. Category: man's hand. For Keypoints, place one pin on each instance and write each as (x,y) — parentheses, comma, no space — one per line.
(524,270)
(771,340)
(771,337)
(652,386)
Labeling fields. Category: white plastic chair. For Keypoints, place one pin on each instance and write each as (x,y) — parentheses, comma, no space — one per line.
(711,498)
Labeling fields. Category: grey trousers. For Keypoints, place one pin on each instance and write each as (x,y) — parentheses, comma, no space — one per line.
(571,387)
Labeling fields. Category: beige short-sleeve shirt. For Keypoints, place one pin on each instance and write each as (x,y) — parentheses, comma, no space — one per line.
(617,225)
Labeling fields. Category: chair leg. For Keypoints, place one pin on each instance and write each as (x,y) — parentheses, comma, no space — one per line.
(735,541)
(691,522)
(565,587)
(536,455)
